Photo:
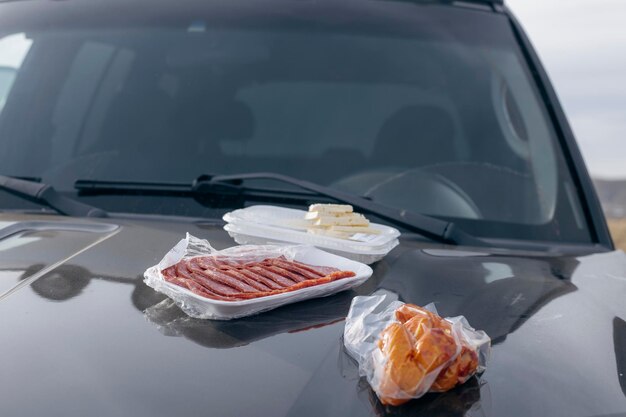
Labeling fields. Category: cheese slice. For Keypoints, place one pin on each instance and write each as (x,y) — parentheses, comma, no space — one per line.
(312,215)
(330,208)
(352,219)
(337,220)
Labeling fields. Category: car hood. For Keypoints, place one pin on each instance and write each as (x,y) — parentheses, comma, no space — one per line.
(83,335)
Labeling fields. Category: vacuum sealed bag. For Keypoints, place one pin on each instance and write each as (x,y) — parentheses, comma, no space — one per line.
(243,280)
(405,350)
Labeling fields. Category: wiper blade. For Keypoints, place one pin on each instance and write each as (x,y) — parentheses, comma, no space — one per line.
(46,194)
(433,228)
(199,190)
(230,186)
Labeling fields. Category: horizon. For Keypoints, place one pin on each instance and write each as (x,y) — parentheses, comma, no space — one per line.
(595,178)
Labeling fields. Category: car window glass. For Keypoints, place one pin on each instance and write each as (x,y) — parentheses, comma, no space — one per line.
(430,115)
(14,47)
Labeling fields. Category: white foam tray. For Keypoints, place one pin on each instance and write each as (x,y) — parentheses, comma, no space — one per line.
(367,258)
(206,308)
(280,224)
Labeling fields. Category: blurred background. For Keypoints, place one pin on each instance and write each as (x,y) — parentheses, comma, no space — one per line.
(582,44)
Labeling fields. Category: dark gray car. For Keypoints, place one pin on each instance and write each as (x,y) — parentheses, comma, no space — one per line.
(126,124)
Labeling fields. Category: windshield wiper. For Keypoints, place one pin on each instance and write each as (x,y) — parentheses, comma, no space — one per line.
(230,186)
(199,189)
(435,229)
(45,194)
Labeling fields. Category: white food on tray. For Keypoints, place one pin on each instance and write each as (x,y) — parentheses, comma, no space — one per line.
(263,224)
(337,220)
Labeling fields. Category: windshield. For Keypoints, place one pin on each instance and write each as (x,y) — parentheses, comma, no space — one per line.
(426,108)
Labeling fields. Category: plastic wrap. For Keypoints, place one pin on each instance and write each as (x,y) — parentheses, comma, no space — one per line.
(205,308)
(403,359)
(269,224)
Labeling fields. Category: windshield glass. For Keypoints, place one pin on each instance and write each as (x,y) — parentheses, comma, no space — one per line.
(427,108)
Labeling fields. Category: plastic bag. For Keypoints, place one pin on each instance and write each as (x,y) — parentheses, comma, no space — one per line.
(204,308)
(403,359)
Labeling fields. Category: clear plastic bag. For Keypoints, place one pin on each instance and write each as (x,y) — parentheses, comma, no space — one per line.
(204,308)
(405,351)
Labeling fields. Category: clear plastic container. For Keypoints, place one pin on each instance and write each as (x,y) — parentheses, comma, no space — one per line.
(270,224)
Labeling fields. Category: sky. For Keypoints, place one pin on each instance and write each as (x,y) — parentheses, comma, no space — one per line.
(582,44)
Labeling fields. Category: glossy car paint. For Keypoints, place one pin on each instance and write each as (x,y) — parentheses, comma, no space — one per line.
(82,335)
(89,337)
